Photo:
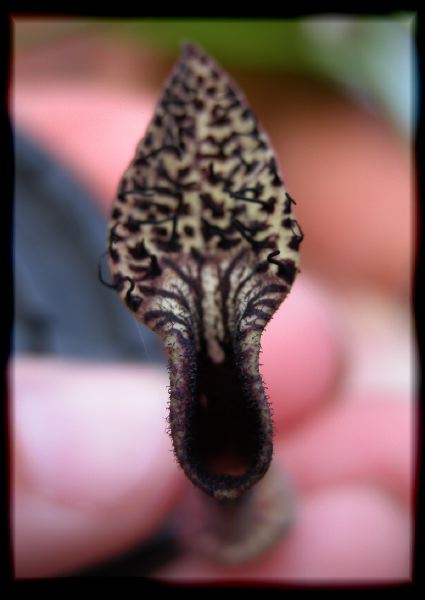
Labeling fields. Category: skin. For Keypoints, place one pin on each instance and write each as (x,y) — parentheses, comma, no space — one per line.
(350,458)
(349,461)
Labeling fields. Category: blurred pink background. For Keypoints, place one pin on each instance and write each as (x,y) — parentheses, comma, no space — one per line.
(336,99)
(87,94)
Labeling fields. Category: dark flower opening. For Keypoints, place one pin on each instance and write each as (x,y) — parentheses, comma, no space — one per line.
(225,424)
(220,420)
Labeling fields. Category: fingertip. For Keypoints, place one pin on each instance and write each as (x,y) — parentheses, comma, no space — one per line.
(302,354)
(367,443)
(113,122)
(97,463)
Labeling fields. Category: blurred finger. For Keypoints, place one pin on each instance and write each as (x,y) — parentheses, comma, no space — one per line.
(112,121)
(341,535)
(352,470)
(302,355)
(339,158)
(368,443)
(93,470)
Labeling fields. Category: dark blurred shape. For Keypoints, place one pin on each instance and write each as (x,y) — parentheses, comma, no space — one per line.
(59,237)
(141,561)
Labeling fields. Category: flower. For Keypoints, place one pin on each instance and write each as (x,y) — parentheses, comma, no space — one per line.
(203,248)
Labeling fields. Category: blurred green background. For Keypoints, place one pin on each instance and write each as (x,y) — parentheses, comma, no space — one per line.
(373,57)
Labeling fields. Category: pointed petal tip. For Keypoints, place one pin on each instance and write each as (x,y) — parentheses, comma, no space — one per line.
(190,50)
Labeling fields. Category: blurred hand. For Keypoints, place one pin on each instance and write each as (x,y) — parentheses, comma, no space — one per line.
(94,473)
(93,469)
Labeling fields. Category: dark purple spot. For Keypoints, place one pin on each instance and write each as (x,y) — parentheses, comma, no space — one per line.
(182,173)
(250,166)
(269,205)
(142,204)
(198,104)
(221,121)
(285,268)
(154,269)
(239,209)
(133,302)
(214,178)
(188,131)
(189,231)
(209,230)
(208,202)
(114,255)
(187,89)
(295,242)
(116,213)
(228,243)
(139,251)
(160,231)
(256,226)
(172,245)
(262,267)
(132,225)
(195,254)
(163,209)
(276,181)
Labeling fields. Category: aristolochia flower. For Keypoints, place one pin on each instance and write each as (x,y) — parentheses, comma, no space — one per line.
(203,248)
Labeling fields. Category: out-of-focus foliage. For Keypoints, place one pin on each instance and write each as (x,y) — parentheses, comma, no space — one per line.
(374,57)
